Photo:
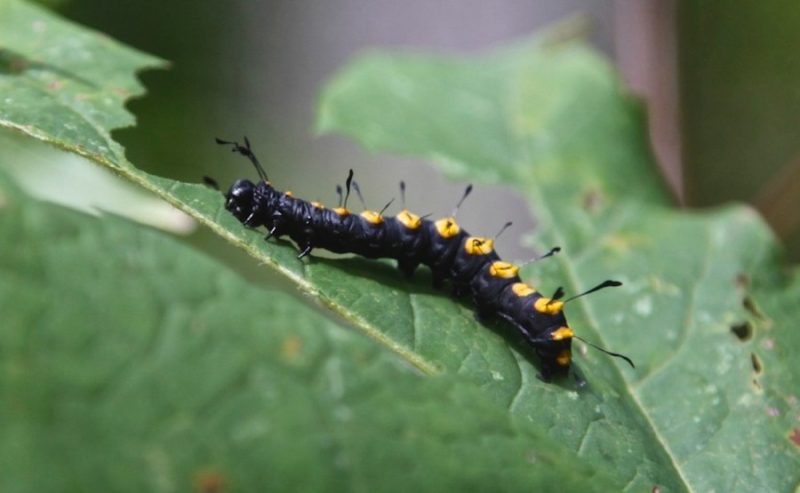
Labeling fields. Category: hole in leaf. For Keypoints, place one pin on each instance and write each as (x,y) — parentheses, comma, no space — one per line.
(743,331)
(756,363)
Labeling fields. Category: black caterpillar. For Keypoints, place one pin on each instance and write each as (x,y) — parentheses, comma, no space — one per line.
(468,262)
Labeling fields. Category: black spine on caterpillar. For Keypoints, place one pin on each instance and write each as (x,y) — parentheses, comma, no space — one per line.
(470,263)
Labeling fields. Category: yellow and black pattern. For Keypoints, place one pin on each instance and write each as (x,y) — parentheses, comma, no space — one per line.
(469,263)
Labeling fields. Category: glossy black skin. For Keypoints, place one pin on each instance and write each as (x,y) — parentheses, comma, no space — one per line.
(312,227)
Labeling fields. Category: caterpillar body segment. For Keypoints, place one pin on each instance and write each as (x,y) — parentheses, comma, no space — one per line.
(469,263)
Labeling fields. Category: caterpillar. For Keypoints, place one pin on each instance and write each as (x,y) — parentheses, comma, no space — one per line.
(468,262)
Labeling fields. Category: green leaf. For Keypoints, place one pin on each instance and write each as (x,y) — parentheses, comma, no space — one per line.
(715,412)
(64,85)
(552,120)
(135,363)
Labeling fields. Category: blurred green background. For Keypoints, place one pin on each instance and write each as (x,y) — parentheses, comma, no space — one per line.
(721,82)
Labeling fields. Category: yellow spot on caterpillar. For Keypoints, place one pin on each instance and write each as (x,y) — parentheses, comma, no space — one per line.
(372,217)
(408,219)
(502,269)
(548,306)
(341,211)
(447,227)
(521,289)
(316,204)
(288,193)
(561,334)
(564,358)
(478,246)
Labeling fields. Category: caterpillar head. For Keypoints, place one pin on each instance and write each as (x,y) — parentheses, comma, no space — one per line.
(239,199)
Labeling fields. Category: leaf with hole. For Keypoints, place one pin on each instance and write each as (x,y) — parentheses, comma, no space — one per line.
(704,410)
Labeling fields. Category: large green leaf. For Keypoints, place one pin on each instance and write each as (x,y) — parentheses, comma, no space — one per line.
(133,363)
(553,121)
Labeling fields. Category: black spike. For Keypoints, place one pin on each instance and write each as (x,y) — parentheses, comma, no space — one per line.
(557,295)
(348,183)
(386,206)
(552,252)
(602,285)
(463,198)
(358,192)
(505,227)
(610,353)
(246,151)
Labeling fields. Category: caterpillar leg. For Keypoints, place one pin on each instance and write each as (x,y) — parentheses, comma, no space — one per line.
(438,279)
(252,220)
(306,250)
(482,312)
(482,316)
(407,268)
(279,226)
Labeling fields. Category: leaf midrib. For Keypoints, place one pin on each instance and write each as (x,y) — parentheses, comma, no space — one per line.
(540,206)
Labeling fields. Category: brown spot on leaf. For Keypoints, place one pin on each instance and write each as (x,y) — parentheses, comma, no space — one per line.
(18,65)
(742,280)
(656,489)
(592,201)
(55,85)
(795,436)
(209,481)
(11,63)
(751,307)
(291,348)
(756,362)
